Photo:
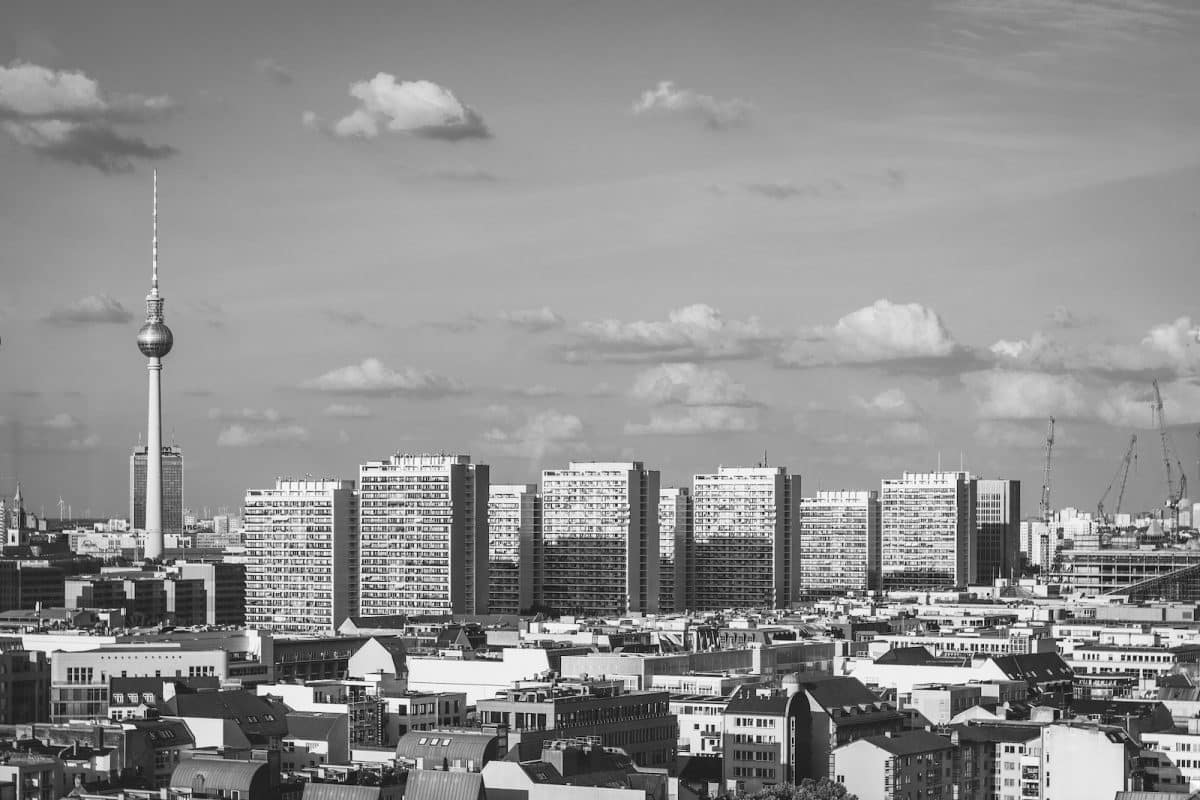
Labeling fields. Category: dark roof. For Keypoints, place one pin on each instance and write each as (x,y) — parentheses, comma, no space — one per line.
(541,772)
(339,791)
(910,656)
(748,701)
(839,691)
(698,768)
(459,746)
(1115,707)
(996,733)
(429,784)
(217,774)
(1034,667)
(257,716)
(910,743)
(312,725)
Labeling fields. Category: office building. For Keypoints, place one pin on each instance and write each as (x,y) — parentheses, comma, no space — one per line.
(24,683)
(744,531)
(514,530)
(171,472)
(674,550)
(600,538)
(301,555)
(839,543)
(423,535)
(928,530)
(998,524)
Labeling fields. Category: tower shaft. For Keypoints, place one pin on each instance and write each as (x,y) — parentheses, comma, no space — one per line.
(154,532)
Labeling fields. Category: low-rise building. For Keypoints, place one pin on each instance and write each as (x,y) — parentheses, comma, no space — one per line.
(24,684)
(901,766)
(761,747)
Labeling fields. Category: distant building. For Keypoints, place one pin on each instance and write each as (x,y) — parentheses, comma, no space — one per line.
(24,684)
(600,538)
(172,489)
(514,539)
(675,535)
(424,535)
(745,523)
(998,521)
(928,530)
(839,543)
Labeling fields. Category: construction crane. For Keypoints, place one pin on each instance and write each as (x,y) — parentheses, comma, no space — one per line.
(1122,473)
(1045,505)
(61,508)
(1174,495)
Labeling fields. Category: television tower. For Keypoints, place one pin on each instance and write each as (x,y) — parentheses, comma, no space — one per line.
(154,340)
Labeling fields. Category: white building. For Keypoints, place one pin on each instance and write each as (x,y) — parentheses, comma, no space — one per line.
(423,535)
(929,530)
(514,534)
(600,538)
(839,543)
(674,550)
(745,527)
(301,555)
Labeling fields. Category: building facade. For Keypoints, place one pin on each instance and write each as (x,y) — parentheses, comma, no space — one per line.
(600,538)
(301,555)
(423,525)
(839,543)
(928,530)
(514,534)
(674,550)
(998,529)
(744,527)
(172,489)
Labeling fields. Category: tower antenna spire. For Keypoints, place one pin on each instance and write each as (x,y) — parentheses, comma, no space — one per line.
(154,243)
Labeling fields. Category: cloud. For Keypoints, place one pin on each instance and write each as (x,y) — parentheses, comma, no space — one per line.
(888,404)
(275,72)
(667,100)
(253,435)
(83,445)
(1009,434)
(1167,347)
(373,378)
(696,421)
(690,385)
(464,174)
(905,432)
(245,415)
(533,390)
(99,309)
(693,333)
(61,422)
(63,115)
(786,190)
(1128,405)
(1063,317)
(881,333)
(465,324)
(347,411)
(417,108)
(350,318)
(542,433)
(1115,19)
(532,319)
(1014,395)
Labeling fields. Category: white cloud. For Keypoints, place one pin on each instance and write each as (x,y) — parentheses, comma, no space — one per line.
(1128,405)
(244,415)
(906,432)
(100,309)
(533,390)
(347,411)
(879,333)
(542,433)
(273,71)
(888,404)
(666,99)
(696,421)
(692,333)
(1063,317)
(372,377)
(63,115)
(690,385)
(1010,394)
(418,108)
(61,422)
(1170,346)
(533,319)
(252,435)
(86,444)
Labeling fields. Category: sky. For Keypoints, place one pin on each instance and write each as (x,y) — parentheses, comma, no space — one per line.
(853,238)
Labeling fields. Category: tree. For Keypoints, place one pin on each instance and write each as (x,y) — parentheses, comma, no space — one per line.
(807,789)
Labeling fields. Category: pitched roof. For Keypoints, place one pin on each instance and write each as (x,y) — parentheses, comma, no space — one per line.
(910,743)
(312,725)
(748,701)
(996,732)
(430,784)
(217,774)
(450,746)
(836,691)
(1034,667)
(910,656)
(339,791)
(256,716)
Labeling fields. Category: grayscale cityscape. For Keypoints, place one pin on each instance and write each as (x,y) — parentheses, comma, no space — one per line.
(779,400)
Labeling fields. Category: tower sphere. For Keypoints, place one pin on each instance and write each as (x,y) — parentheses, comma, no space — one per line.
(155,339)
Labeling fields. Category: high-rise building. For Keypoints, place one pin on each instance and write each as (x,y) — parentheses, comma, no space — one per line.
(998,519)
(674,550)
(154,340)
(929,530)
(301,555)
(171,491)
(514,530)
(423,535)
(839,543)
(745,530)
(600,538)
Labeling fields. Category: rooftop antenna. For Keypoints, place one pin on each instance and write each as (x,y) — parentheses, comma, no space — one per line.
(154,245)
